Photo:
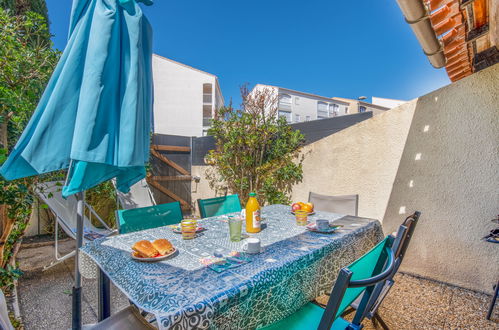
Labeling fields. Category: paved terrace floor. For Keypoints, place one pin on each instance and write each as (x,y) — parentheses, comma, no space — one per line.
(413,303)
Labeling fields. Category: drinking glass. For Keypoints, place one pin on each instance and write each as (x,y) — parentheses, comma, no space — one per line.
(188,227)
(301,217)
(235,225)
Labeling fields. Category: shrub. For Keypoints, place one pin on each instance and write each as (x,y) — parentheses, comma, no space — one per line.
(256,150)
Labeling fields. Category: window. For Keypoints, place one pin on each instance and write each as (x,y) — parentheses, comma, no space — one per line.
(207,106)
(334,110)
(207,115)
(284,102)
(307,118)
(297,118)
(297,100)
(321,110)
(286,115)
(346,109)
(207,93)
(362,109)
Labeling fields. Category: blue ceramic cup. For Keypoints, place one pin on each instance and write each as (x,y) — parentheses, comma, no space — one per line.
(322,224)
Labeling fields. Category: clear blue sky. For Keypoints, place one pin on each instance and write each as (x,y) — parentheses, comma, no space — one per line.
(330,48)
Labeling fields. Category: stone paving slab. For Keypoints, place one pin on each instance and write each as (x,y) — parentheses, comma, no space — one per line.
(44,296)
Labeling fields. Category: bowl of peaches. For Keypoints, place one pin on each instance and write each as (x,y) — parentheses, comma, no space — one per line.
(300,206)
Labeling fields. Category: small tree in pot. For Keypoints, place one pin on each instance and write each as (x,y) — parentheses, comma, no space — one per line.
(256,150)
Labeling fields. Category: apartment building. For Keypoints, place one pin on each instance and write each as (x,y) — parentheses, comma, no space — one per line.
(185,98)
(298,106)
(356,106)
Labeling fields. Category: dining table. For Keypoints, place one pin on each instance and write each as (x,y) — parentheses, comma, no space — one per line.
(294,267)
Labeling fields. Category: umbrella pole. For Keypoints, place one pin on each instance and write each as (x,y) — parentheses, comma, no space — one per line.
(77,284)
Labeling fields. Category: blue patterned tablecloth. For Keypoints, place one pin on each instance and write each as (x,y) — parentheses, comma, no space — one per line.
(295,267)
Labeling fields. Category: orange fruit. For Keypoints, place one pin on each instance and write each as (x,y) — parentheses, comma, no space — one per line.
(307,208)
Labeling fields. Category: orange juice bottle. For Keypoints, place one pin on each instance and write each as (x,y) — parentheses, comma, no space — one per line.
(252,214)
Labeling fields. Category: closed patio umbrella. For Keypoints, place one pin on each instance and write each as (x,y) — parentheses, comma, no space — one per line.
(94,117)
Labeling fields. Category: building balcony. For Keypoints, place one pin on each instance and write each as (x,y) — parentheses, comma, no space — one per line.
(284,107)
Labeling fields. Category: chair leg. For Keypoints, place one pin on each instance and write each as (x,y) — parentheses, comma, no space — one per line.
(493,302)
(377,319)
(104,294)
(349,310)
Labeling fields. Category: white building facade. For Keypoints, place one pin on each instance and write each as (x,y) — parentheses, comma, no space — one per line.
(387,103)
(185,99)
(356,106)
(298,106)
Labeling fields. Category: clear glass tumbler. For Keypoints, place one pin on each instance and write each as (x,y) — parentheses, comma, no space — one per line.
(188,227)
(235,226)
(301,217)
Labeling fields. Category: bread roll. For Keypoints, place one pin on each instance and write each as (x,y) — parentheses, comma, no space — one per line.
(145,249)
(163,246)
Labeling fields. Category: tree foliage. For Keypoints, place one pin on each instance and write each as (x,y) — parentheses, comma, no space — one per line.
(22,7)
(27,60)
(256,150)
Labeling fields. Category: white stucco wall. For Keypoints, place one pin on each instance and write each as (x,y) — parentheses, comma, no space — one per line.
(201,189)
(450,172)
(178,97)
(362,159)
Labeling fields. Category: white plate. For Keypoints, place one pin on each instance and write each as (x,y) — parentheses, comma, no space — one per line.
(311,213)
(154,259)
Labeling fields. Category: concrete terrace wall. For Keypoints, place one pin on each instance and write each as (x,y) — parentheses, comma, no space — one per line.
(362,159)
(450,172)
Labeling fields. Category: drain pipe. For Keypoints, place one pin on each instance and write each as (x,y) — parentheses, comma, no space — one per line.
(418,17)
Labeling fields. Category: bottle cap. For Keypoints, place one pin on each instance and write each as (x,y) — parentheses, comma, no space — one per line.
(252,194)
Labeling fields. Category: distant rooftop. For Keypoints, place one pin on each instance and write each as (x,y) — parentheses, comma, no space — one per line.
(184,65)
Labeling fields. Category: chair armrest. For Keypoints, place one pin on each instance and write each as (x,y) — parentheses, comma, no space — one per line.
(380,277)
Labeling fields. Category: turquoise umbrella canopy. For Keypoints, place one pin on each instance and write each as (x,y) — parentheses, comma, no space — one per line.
(95,114)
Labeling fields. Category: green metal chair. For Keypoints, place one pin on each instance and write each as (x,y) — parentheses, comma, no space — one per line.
(381,290)
(360,277)
(148,217)
(211,207)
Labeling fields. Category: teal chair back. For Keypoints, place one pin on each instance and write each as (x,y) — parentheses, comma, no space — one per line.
(211,207)
(365,267)
(361,277)
(148,217)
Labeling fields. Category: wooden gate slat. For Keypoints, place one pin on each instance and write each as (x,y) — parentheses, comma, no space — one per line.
(167,161)
(171,178)
(170,148)
(167,192)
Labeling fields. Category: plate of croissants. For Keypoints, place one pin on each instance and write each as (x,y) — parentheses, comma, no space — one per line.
(152,251)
